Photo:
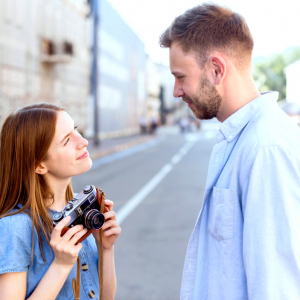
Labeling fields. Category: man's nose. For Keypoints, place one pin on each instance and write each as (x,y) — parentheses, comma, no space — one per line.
(178,91)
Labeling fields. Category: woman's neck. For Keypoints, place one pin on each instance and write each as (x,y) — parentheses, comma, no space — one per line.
(59,188)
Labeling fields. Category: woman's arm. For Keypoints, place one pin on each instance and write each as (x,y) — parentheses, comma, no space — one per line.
(110,233)
(13,285)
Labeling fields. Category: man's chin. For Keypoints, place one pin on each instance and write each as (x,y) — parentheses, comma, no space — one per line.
(198,114)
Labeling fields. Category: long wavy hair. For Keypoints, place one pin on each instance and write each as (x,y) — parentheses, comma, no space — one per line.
(26,136)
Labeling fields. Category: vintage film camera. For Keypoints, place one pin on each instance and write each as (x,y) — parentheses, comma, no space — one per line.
(83,209)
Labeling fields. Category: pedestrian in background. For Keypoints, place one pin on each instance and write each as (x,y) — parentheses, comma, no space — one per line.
(184,124)
(143,124)
(154,124)
(40,151)
(245,244)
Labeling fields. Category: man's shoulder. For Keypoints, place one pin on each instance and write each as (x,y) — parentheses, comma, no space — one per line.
(273,127)
(269,129)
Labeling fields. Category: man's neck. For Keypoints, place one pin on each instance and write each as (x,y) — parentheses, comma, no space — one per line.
(236,94)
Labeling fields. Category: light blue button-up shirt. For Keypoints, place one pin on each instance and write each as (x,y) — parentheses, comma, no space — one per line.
(246,241)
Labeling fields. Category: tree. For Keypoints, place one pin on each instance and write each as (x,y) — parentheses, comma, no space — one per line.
(269,72)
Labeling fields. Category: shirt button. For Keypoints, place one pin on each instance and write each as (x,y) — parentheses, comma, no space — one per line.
(92,294)
(230,137)
(84,267)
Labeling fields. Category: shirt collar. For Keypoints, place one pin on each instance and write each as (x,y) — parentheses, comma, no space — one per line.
(237,121)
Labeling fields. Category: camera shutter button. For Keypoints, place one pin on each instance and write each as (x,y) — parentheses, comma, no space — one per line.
(69,206)
(87,189)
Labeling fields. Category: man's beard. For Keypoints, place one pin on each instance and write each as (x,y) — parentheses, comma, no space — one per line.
(207,102)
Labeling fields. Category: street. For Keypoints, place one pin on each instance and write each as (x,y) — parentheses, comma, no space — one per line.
(157,190)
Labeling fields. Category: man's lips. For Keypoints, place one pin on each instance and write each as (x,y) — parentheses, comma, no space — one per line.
(84,155)
(187,101)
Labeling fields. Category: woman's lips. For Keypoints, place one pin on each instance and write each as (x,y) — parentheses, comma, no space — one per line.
(85,155)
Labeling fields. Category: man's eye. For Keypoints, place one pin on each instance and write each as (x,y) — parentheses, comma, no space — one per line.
(75,127)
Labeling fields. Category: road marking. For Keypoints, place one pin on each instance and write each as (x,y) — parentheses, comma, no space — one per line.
(141,195)
(131,205)
(122,154)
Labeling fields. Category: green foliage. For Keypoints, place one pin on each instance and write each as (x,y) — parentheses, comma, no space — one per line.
(269,72)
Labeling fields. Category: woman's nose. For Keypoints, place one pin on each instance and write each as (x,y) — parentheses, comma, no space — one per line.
(82,143)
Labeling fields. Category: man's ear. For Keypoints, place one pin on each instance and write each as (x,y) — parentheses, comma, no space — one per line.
(41,169)
(218,68)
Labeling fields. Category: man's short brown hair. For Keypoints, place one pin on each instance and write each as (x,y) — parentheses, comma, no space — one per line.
(210,27)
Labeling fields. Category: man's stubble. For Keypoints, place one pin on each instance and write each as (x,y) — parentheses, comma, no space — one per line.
(207,103)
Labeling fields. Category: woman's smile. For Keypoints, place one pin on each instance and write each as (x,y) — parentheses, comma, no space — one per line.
(84,155)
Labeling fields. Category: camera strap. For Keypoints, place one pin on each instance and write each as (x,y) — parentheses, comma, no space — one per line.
(76,283)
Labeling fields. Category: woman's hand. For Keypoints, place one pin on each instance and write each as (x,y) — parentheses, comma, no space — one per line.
(65,250)
(111,229)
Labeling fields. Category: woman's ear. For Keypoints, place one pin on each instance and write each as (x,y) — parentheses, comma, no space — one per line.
(41,169)
(218,68)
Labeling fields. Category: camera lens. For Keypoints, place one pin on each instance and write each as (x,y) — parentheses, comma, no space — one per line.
(93,219)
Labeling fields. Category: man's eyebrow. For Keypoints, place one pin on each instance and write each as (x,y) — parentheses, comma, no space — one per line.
(65,137)
(176,73)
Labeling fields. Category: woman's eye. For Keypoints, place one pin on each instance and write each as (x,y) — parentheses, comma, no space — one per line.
(66,141)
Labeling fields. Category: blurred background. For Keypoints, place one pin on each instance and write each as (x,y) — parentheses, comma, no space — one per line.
(100,60)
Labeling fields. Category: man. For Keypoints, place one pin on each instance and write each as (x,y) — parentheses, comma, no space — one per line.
(246,241)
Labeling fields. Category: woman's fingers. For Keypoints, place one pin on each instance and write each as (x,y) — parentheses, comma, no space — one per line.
(78,235)
(112,231)
(109,224)
(68,235)
(59,227)
(109,204)
(110,215)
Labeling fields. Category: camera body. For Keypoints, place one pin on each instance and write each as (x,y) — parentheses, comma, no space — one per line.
(83,209)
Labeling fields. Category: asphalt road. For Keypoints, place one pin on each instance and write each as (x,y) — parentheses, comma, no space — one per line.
(158,190)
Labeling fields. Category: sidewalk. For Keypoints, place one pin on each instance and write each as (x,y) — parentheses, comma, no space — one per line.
(109,146)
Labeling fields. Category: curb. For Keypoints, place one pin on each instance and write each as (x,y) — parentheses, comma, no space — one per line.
(121,147)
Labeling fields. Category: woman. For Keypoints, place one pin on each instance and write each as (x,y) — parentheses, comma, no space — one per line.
(40,151)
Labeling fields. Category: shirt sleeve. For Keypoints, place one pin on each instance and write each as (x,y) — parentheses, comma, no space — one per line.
(15,243)
(271,241)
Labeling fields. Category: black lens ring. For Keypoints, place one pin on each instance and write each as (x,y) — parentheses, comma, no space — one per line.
(90,216)
(101,221)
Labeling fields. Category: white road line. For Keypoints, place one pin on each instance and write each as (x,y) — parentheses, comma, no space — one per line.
(141,195)
(145,191)
(176,159)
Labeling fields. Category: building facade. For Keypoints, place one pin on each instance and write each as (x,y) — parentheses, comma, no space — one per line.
(44,55)
(292,82)
(121,76)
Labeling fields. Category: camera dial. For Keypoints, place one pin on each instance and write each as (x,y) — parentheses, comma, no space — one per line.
(57,217)
(69,206)
(93,219)
(87,189)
